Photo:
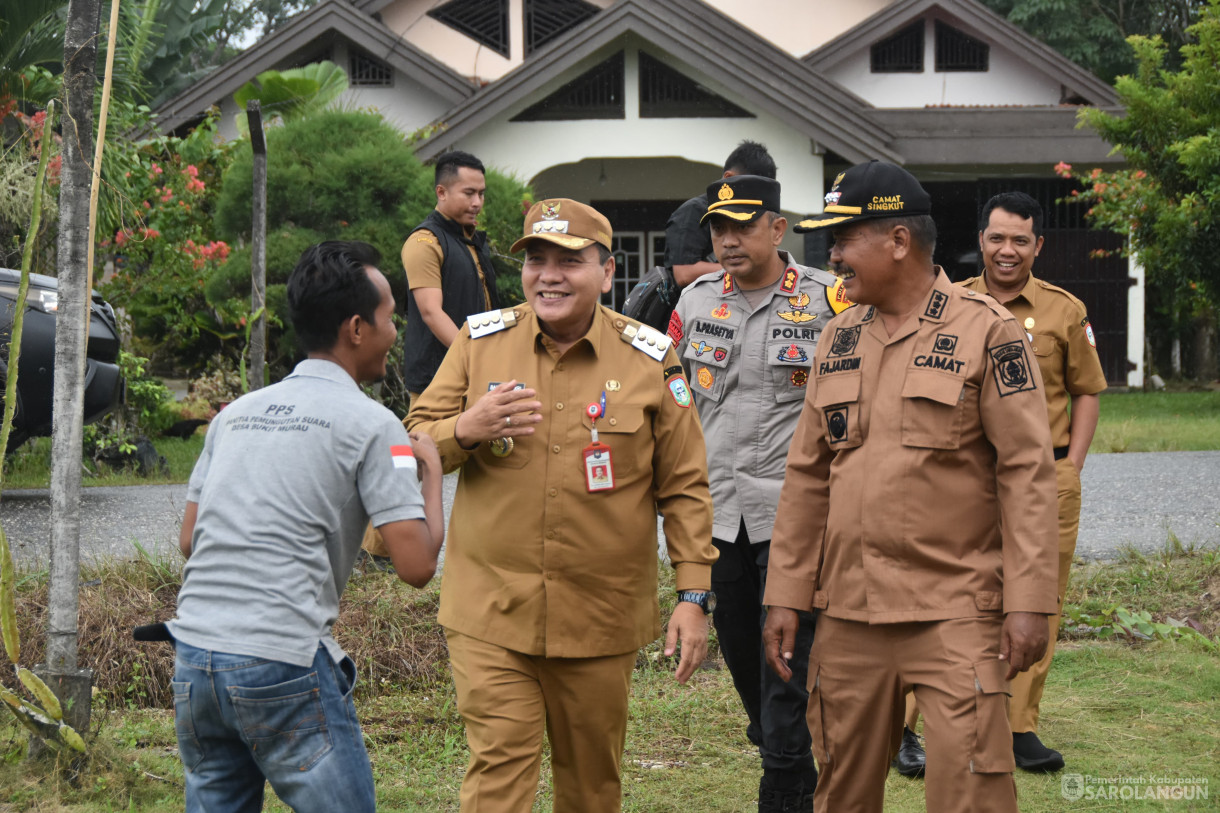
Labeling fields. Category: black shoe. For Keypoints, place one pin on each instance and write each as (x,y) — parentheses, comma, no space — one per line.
(1031,755)
(772,799)
(911,759)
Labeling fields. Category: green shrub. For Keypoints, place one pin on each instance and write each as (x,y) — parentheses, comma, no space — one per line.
(339,175)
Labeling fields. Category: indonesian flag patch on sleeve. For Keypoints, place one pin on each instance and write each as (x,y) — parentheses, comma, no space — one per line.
(403,457)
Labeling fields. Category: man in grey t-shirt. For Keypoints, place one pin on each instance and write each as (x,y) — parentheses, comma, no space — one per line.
(276,508)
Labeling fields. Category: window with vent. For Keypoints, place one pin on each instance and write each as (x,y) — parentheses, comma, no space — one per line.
(547,19)
(595,94)
(958,51)
(484,21)
(364,71)
(667,94)
(901,52)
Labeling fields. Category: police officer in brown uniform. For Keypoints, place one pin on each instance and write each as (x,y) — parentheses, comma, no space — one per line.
(1061,338)
(917,513)
(572,426)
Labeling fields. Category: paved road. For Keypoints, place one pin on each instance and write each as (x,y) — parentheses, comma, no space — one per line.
(1129,499)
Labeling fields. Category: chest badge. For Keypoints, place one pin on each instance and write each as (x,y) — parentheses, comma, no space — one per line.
(501,447)
(700,347)
(722,312)
(799,302)
(798,317)
(792,355)
(612,385)
(706,379)
(799,378)
(1029,323)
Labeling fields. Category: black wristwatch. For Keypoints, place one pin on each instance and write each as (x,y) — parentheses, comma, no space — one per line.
(704,598)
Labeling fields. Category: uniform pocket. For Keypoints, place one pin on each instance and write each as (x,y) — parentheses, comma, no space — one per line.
(619,421)
(838,399)
(284,724)
(789,363)
(992,750)
(932,410)
(184,725)
(814,712)
(1043,344)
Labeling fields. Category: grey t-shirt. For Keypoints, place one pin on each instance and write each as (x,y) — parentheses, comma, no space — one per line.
(288,478)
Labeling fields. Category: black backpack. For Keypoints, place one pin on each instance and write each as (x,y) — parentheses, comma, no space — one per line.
(653,298)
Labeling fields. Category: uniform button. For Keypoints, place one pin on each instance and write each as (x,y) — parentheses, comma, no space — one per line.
(550,534)
(559,405)
(550,577)
(614,422)
(559,366)
(555,449)
(554,492)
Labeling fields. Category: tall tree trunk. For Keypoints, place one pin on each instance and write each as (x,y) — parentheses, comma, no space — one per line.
(80,79)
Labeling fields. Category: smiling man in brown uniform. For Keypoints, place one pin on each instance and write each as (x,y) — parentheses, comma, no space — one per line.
(573,427)
(917,513)
(1010,237)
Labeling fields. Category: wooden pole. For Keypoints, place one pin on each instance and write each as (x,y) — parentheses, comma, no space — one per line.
(258,244)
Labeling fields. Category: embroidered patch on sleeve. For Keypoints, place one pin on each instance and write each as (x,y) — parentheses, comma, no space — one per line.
(680,392)
(675,327)
(1012,373)
(1088,331)
(836,423)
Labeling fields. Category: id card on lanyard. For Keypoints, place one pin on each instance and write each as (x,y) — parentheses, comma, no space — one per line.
(599,469)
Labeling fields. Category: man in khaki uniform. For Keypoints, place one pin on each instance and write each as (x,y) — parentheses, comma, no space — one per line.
(572,426)
(1010,237)
(917,513)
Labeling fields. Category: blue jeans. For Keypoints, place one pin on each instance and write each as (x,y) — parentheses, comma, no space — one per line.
(241,720)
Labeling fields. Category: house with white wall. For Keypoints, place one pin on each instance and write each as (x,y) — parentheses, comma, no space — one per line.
(633,105)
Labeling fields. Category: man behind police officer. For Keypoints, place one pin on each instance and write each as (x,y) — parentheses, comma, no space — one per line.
(917,513)
(746,334)
(1010,238)
(573,426)
(688,242)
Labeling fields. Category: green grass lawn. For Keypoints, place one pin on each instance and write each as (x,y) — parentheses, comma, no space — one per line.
(30,465)
(1120,710)
(1158,422)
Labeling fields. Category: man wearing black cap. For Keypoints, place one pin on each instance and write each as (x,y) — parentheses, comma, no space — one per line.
(918,513)
(746,334)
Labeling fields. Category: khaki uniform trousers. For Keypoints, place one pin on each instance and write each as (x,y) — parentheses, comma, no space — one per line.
(858,674)
(507,698)
(1027,686)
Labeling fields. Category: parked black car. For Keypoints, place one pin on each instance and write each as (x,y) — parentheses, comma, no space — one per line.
(104,387)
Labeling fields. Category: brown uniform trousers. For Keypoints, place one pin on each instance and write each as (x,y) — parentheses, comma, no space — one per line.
(1062,340)
(548,590)
(917,509)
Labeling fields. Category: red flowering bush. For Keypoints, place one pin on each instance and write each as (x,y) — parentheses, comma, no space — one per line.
(164,250)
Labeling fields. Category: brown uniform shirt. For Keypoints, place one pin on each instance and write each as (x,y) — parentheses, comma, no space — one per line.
(422,259)
(920,484)
(534,562)
(1062,341)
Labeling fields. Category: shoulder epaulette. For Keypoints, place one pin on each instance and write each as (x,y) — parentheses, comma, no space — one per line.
(652,342)
(484,324)
(986,299)
(1049,286)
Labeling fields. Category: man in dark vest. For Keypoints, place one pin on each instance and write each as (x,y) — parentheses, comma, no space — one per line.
(449,277)
(449,270)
